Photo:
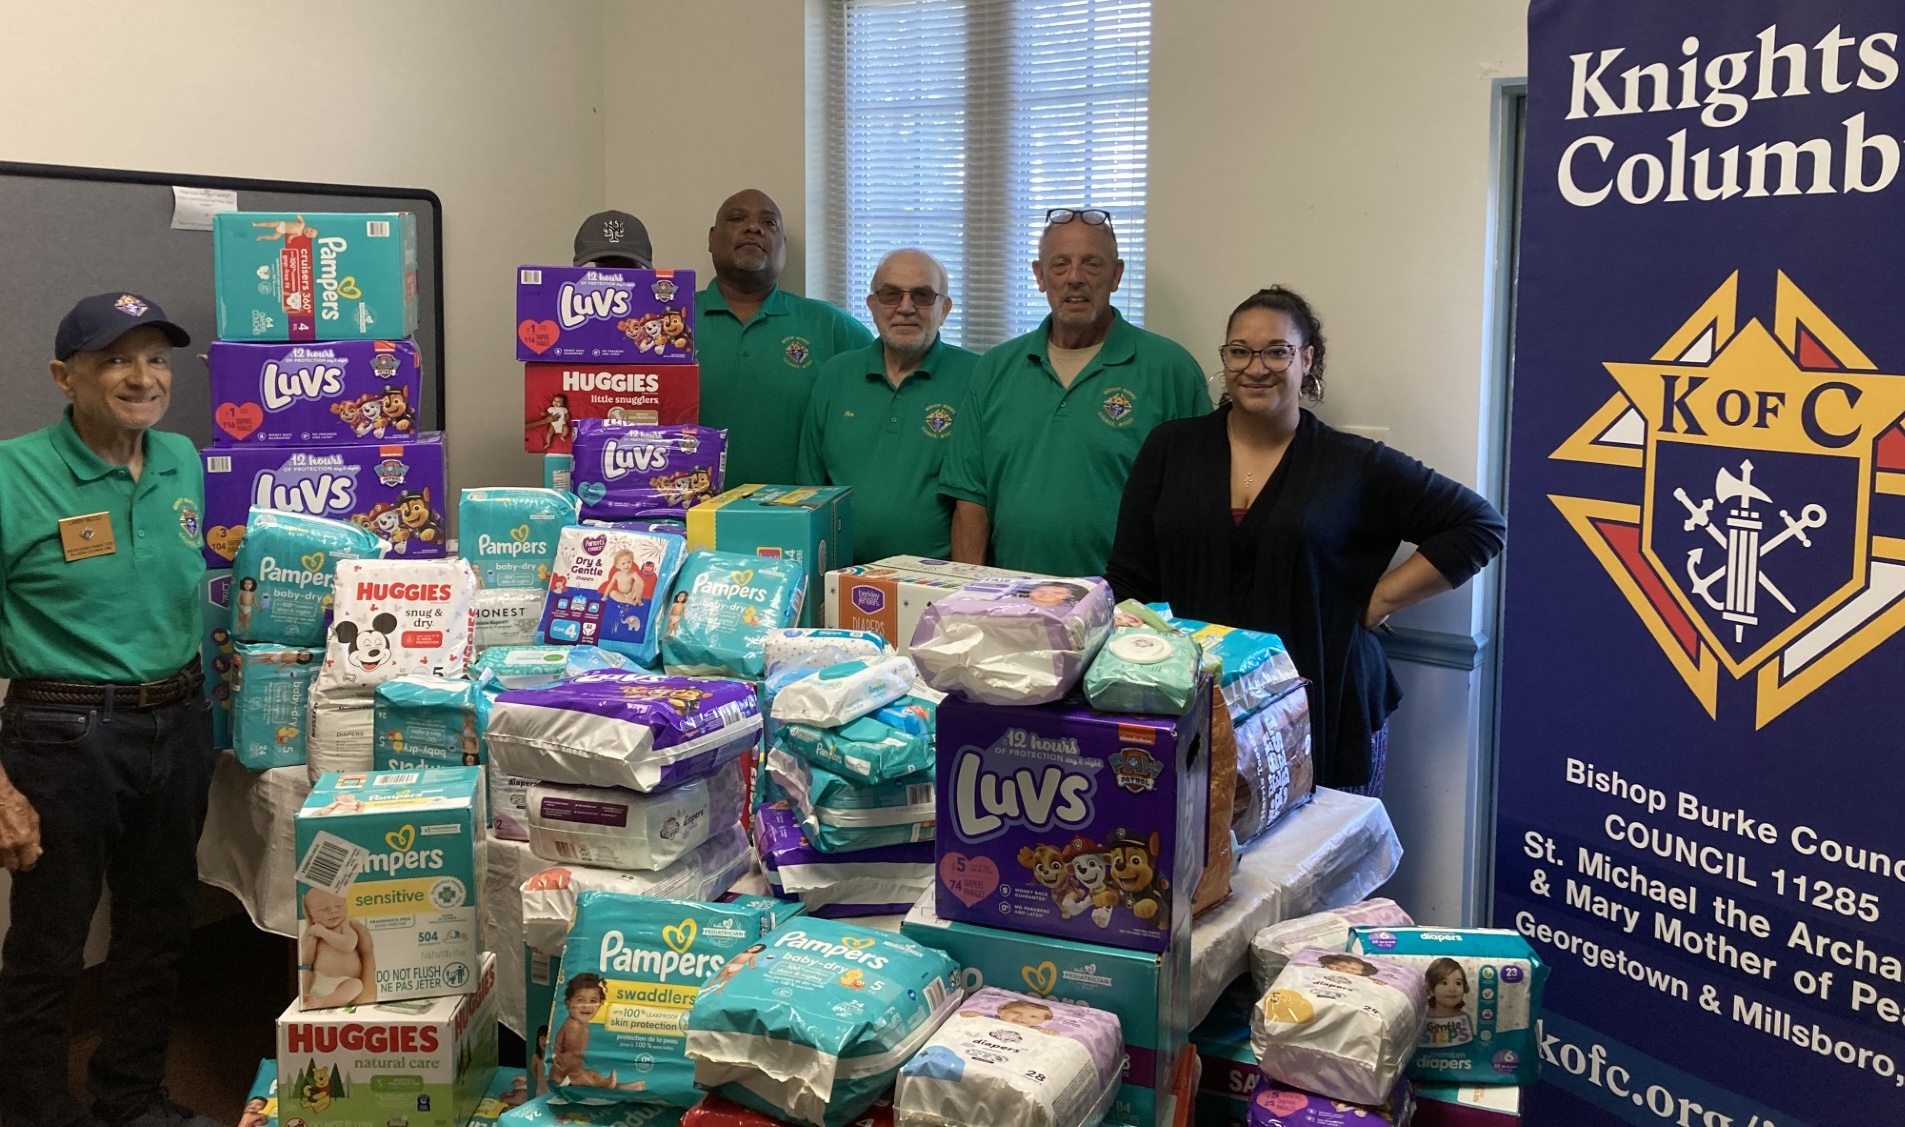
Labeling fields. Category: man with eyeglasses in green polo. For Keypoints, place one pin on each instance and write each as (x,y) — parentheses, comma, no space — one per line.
(881,416)
(1054,419)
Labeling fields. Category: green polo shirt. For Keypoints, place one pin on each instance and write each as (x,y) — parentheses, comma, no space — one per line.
(1049,462)
(886,443)
(123,618)
(755,377)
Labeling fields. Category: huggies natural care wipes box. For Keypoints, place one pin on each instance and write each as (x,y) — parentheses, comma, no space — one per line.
(389,871)
(424,1063)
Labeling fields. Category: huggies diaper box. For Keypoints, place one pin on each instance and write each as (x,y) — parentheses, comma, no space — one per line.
(887,597)
(606,314)
(426,1063)
(281,275)
(389,865)
(812,526)
(395,490)
(339,391)
(558,396)
(1073,824)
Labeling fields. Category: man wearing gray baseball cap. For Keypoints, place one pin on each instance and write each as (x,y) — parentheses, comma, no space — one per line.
(613,238)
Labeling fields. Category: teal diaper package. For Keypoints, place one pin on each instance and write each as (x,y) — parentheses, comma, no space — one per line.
(556,1111)
(282,275)
(1257,667)
(631,969)
(271,698)
(723,609)
(423,721)
(509,535)
(839,815)
(1145,671)
(1483,988)
(283,573)
(891,744)
(261,1102)
(813,1025)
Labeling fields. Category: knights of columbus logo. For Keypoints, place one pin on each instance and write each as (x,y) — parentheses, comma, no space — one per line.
(1747,542)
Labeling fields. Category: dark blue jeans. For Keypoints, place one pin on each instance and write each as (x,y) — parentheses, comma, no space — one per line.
(121,799)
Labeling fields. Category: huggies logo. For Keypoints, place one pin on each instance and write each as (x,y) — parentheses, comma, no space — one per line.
(619,461)
(678,959)
(329,247)
(311,575)
(986,802)
(853,950)
(281,388)
(402,856)
(577,309)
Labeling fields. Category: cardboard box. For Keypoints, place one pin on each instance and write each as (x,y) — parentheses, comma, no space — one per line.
(405,851)
(887,596)
(424,1064)
(650,394)
(338,391)
(1467,1105)
(813,526)
(282,275)
(1072,823)
(605,314)
(1222,1041)
(1149,992)
(396,490)
(218,652)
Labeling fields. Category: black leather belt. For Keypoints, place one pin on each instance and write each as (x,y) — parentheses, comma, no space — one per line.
(134,698)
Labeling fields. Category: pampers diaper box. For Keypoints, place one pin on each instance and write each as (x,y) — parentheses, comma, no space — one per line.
(1070,823)
(395,490)
(557,396)
(605,314)
(1149,993)
(315,276)
(338,391)
(403,852)
(887,597)
(422,1063)
(813,527)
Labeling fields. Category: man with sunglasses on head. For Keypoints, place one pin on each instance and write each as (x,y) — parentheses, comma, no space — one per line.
(881,416)
(1054,418)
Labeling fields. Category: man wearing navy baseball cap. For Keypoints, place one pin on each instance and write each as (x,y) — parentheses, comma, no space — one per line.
(105,734)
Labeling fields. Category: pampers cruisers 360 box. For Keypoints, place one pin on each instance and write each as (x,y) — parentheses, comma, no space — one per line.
(282,275)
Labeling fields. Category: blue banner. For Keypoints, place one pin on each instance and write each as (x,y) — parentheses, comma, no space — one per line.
(1702,791)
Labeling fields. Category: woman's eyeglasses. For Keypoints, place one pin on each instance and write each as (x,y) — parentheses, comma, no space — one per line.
(1276,357)
(1089,216)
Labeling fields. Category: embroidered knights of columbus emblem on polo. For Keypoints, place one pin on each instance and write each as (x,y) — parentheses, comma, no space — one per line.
(1746,540)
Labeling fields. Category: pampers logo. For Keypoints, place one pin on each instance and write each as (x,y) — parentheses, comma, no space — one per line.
(281,388)
(518,544)
(736,586)
(576,308)
(986,802)
(678,959)
(329,247)
(402,856)
(853,949)
(312,574)
(619,460)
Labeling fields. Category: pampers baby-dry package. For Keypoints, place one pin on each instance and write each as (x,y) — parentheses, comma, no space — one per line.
(1013,1058)
(1483,991)
(608,588)
(1271,948)
(389,867)
(393,489)
(618,828)
(1343,1026)
(816,1023)
(399,617)
(723,609)
(315,276)
(425,721)
(839,815)
(1013,643)
(611,728)
(625,471)
(283,574)
(291,394)
(271,704)
(840,694)
(631,971)
(605,313)
(510,535)
(810,525)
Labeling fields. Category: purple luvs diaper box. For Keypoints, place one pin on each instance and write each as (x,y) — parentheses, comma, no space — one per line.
(336,391)
(605,313)
(1064,822)
(394,489)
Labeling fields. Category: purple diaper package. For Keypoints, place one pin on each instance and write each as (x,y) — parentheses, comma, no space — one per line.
(1070,823)
(613,728)
(337,391)
(395,490)
(866,882)
(1273,1104)
(628,471)
(606,314)
(1014,642)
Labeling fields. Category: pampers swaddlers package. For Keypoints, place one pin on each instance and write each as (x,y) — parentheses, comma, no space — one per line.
(607,590)
(282,578)
(1483,991)
(315,276)
(723,610)
(389,867)
(395,490)
(339,391)
(626,470)
(509,536)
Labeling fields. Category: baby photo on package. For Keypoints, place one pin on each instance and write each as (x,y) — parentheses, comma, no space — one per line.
(607,589)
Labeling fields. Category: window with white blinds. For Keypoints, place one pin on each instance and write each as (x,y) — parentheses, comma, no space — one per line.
(953,125)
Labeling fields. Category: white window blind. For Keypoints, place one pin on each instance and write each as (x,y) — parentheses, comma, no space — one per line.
(953,125)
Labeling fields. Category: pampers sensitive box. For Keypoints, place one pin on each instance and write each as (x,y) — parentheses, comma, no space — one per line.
(421,1063)
(887,597)
(812,526)
(1076,824)
(282,275)
(395,490)
(338,391)
(403,853)
(606,314)
(557,396)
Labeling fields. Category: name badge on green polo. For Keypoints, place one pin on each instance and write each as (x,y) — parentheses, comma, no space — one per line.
(84,537)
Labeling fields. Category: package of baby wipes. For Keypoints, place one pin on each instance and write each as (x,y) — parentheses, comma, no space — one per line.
(1013,643)
(524,667)
(271,704)
(839,815)
(1483,991)
(397,617)
(508,616)
(617,828)
(1257,666)
(1340,1025)
(509,535)
(703,873)
(1271,948)
(892,743)
(607,590)
(1274,1104)
(1013,1058)
(868,1001)
(845,692)
(883,881)
(613,728)
(1276,766)
(283,573)
(798,649)
(628,470)
(1143,670)
(339,736)
(723,610)
(423,721)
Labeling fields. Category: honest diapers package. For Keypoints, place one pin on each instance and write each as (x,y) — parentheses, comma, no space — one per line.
(1271,948)
(389,865)
(617,828)
(605,313)
(607,590)
(868,1002)
(315,276)
(1013,1058)
(556,397)
(1339,1025)
(425,721)
(295,394)
(627,471)
(508,616)
(399,617)
(393,489)
(283,573)
(1483,991)
(271,704)
(1014,643)
(724,608)
(509,535)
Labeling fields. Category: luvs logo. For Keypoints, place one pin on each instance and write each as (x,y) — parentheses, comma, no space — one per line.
(620,460)
(577,306)
(403,854)
(1037,797)
(315,490)
(282,387)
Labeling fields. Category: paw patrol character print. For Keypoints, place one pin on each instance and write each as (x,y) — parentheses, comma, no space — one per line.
(684,699)
(651,338)
(419,520)
(398,417)
(675,331)
(371,409)
(366,648)
(351,413)
(1134,871)
(387,523)
(1092,869)
(1051,871)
